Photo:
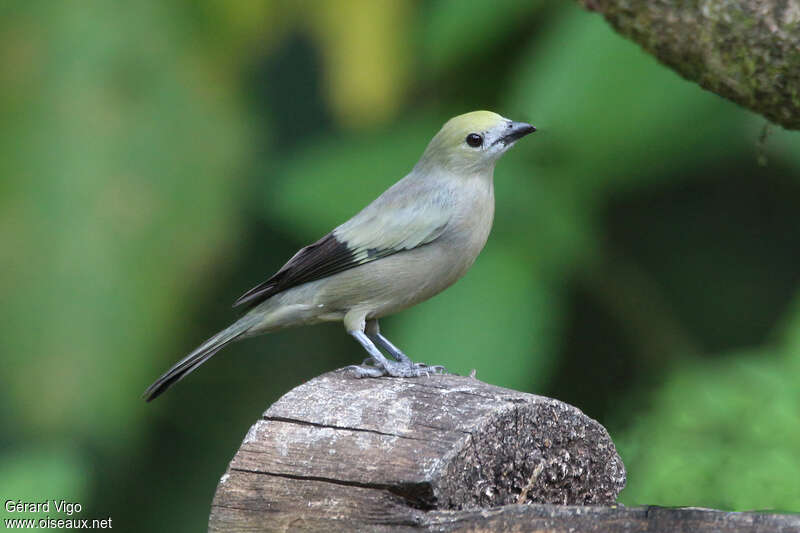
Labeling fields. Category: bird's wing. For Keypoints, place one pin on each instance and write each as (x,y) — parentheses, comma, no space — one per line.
(391,224)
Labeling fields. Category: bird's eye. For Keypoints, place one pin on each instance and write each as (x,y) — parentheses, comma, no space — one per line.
(474,140)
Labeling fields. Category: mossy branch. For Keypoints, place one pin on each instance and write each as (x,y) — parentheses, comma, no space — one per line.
(745,50)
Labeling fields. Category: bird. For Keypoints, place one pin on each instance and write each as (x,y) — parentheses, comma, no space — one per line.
(416,239)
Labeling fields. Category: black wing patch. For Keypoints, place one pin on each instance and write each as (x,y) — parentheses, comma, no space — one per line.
(324,258)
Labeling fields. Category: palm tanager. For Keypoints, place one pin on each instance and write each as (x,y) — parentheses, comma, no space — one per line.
(415,240)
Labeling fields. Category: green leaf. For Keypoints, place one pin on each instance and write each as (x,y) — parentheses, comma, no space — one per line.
(456,31)
(126,166)
(330,182)
(610,114)
(38,474)
(723,434)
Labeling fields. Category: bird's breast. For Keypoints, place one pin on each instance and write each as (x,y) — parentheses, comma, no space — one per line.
(471,224)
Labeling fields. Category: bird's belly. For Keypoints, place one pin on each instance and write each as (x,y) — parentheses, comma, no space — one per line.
(384,286)
(396,282)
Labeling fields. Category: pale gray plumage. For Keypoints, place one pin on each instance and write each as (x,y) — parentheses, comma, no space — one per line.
(415,240)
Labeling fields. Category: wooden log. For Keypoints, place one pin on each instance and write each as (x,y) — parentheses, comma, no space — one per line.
(443,453)
(345,453)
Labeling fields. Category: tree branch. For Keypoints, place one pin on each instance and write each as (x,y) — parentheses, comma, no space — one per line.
(745,50)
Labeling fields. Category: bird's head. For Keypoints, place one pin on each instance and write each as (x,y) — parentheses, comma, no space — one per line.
(472,142)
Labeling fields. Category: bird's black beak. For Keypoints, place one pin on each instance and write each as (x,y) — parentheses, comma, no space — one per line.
(515,131)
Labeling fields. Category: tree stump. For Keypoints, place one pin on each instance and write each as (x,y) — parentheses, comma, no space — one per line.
(345,453)
(442,453)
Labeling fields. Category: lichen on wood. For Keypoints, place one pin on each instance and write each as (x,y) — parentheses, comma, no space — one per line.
(745,50)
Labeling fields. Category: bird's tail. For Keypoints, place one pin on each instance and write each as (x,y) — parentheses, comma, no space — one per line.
(200,355)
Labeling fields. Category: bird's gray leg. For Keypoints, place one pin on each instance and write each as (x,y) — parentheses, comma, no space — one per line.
(384,367)
(373,331)
(364,371)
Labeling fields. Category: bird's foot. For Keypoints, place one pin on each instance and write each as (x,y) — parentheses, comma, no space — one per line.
(370,368)
(429,369)
(365,371)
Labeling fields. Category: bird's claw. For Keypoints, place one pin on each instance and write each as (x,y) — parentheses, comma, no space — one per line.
(434,369)
(364,371)
(370,368)
(427,369)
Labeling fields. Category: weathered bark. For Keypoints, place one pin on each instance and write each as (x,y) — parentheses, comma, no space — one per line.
(745,50)
(339,453)
(444,453)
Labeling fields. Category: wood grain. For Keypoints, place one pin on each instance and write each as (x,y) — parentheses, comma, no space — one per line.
(443,453)
(345,453)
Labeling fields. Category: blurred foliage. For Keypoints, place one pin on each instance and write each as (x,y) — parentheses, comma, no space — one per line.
(159,159)
(720,434)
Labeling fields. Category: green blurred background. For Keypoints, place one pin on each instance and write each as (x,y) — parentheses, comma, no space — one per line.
(158,159)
